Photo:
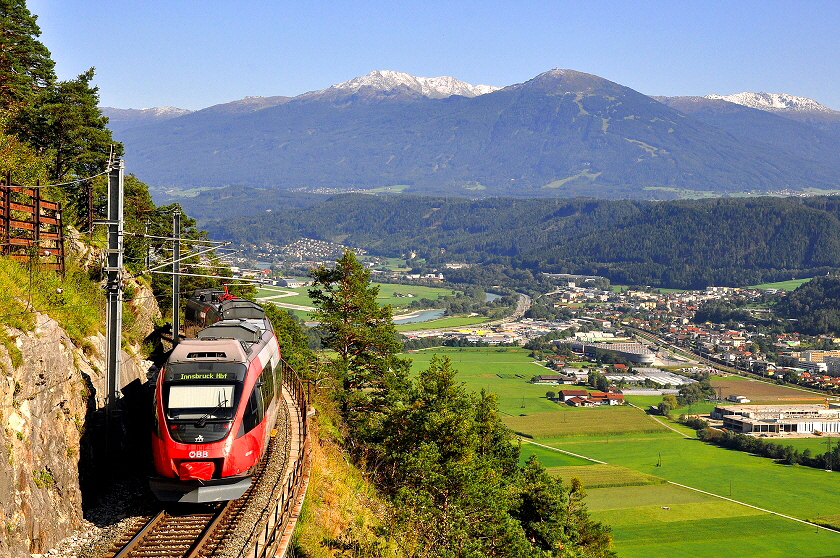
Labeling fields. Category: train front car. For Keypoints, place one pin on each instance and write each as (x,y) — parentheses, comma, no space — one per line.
(215,406)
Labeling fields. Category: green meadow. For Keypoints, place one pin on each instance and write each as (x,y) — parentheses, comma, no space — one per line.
(387,295)
(642,527)
(783,285)
(634,491)
(444,323)
(504,371)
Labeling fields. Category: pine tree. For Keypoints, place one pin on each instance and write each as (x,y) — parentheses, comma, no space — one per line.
(363,336)
(65,122)
(25,63)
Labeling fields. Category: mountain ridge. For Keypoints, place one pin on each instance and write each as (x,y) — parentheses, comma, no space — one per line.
(562,133)
(773,101)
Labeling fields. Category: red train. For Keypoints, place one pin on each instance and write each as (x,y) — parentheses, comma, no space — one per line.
(216,401)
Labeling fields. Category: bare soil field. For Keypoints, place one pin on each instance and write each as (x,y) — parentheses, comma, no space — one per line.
(763,392)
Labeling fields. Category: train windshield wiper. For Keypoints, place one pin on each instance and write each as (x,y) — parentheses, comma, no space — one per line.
(203,420)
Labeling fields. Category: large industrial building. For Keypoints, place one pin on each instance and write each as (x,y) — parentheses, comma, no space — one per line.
(633,352)
(779,419)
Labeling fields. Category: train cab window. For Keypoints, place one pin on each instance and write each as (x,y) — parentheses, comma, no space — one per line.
(188,402)
(199,414)
(254,412)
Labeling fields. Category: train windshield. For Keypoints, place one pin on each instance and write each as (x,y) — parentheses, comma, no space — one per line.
(200,402)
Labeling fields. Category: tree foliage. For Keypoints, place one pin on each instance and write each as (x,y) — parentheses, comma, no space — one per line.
(451,467)
(25,63)
(64,121)
(362,335)
(815,305)
(686,244)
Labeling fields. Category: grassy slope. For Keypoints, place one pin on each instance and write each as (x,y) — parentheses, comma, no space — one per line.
(339,498)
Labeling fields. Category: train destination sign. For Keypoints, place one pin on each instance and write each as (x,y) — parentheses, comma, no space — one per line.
(187,376)
(206,371)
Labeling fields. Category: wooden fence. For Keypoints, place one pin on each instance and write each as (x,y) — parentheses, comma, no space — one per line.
(30,226)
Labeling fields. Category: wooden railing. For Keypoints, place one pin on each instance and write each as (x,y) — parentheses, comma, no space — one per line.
(267,536)
(30,227)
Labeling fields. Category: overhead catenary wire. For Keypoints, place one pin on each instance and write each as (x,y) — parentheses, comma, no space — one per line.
(76,181)
(182,240)
(182,258)
(260,281)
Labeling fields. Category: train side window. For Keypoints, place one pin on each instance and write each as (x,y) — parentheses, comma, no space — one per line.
(267,379)
(254,411)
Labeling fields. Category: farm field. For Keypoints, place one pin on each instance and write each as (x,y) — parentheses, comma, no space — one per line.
(640,530)
(551,458)
(386,294)
(442,323)
(599,475)
(581,421)
(817,444)
(504,371)
(667,520)
(695,524)
(763,393)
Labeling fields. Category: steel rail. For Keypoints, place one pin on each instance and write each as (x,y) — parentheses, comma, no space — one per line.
(137,539)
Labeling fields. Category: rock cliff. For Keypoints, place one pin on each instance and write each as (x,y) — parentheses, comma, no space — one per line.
(48,392)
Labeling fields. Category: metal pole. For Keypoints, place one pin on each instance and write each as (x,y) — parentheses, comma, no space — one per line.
(148,246)
(113,289)
(176,277)
(114,279)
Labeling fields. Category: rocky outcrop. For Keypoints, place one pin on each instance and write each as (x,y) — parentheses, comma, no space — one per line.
(45,405)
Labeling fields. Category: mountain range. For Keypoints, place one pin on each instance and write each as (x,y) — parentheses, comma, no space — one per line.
(563,133)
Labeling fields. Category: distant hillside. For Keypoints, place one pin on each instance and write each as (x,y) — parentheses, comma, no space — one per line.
(773,128)
(796,108)
(562,134)
(688,244)
(123,119)
(815,305)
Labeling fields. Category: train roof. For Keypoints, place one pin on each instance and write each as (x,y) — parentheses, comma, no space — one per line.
(249,331)
(240,308)
(205,350)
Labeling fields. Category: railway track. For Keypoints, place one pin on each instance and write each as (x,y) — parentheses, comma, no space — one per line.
(187,531)
(170,535)
(259,524)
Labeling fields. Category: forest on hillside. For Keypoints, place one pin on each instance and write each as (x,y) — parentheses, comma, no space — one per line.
(681,244)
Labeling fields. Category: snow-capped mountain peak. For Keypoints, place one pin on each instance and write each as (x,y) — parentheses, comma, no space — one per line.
(437,87)
(773,102)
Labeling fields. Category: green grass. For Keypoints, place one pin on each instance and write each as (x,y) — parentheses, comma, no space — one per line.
(783,285)
(696,524)
(643,531)
(817,445)
(550,458)
(394,189)
(301,299)
(598,475)
(713,530)
(387,291)
(444,323)
(386,295)
(754,480)
(580,421)
(75,302)
(502,371)
(396,264)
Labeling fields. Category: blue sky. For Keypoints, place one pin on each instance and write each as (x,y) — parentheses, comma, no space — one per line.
(193,54)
